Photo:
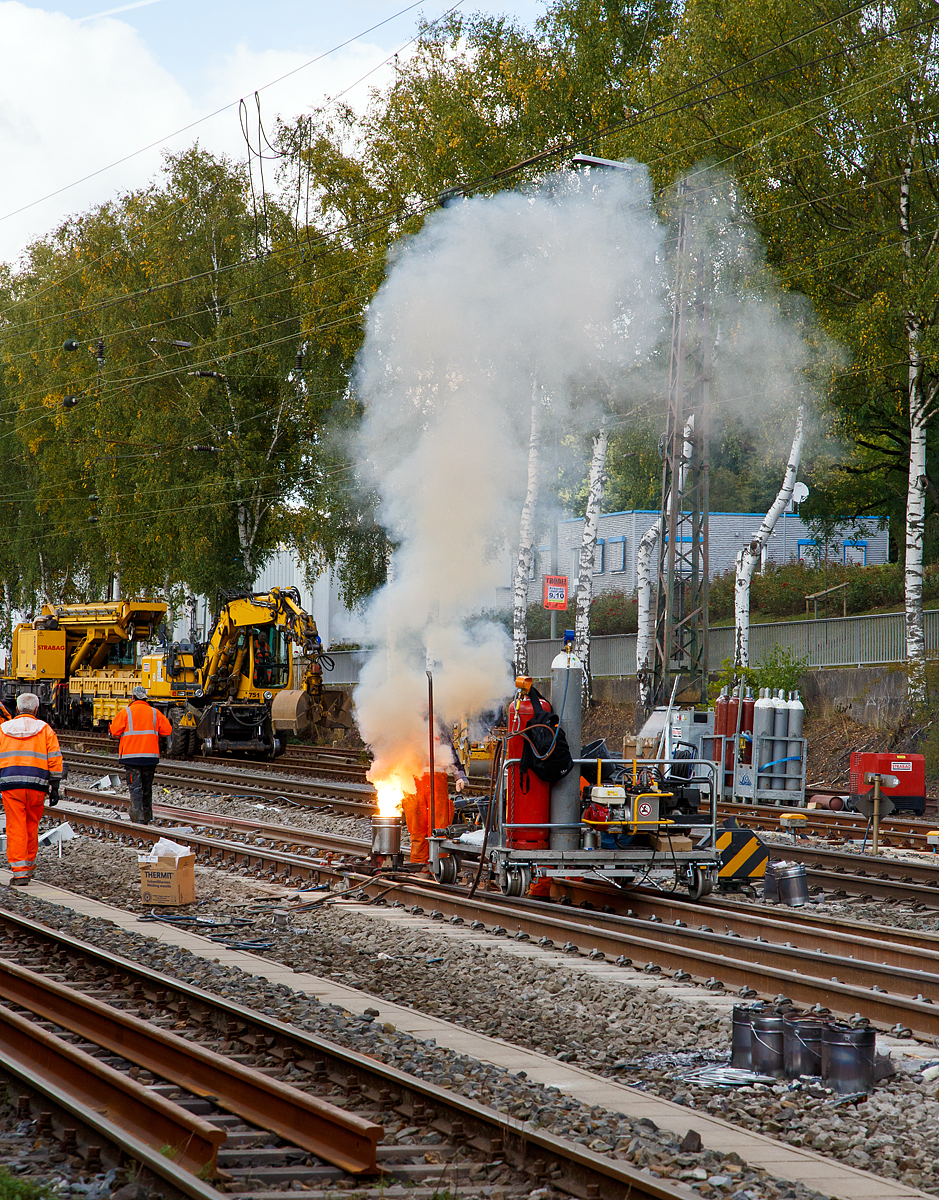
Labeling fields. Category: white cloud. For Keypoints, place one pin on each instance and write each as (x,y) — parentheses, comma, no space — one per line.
(78,95)
(74,97)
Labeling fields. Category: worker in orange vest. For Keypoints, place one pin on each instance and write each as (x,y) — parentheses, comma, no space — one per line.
(30,765)
(416,804)
(140,727)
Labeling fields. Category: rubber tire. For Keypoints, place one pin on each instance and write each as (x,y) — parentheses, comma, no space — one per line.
(192,743)
(177,744)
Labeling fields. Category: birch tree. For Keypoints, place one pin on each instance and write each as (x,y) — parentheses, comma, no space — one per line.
(588,549)
(830,129)
(750,554)
(526,539)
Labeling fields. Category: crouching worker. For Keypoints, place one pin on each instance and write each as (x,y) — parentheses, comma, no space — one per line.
(140,727)
(30,765)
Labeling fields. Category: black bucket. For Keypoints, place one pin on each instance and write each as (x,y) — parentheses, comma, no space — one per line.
(792,885)
(802,1046)
(766,1045)
(769,881)
(848,1057)
(740,1037)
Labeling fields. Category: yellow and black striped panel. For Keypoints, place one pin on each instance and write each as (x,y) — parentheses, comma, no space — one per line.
(743,855)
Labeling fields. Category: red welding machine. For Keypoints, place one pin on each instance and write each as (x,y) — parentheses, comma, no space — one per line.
(909,769)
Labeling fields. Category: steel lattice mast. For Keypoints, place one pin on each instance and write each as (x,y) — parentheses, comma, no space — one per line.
(681,627)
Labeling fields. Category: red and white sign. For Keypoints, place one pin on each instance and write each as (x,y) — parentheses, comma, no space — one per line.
(555,592)
(901,766)
(644,808)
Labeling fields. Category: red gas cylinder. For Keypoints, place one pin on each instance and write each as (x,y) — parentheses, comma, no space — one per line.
(720,713)
(528,798)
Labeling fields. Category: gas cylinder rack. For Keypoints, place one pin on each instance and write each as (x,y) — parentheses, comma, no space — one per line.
(764,750)
(624,821)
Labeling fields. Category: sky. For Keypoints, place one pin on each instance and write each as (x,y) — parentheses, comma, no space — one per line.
(86,83)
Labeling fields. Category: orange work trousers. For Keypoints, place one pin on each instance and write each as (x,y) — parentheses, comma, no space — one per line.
(416,807)
(23,808)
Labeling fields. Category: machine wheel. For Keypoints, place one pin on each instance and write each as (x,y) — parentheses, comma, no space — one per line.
(192,743)
(178,741)
(699,883)
(511,881)
(447,871)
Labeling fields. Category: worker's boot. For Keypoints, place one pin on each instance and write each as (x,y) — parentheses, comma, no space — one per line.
(138,813)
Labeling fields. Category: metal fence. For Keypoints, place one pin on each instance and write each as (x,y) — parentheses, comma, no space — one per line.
(832,642)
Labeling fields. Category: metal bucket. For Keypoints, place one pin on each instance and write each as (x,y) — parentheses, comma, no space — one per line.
(770,891)
(848,1057)
(766,1045)
(802,1046)
(740,1036)
(386,835)
(792,885)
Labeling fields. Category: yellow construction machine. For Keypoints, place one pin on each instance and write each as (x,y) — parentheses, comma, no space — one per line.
(236,692)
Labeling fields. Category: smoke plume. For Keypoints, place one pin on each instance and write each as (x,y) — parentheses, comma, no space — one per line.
(561,288)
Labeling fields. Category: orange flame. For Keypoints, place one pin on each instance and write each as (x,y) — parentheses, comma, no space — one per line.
(390,790)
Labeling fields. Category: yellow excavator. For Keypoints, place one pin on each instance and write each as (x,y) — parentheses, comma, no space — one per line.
(236,692)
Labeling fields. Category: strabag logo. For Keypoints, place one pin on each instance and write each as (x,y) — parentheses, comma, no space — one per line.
(901,766)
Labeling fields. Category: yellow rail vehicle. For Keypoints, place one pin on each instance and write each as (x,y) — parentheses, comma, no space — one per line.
(233,693)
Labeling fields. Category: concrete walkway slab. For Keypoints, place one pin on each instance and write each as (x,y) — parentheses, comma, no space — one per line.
(797,1164)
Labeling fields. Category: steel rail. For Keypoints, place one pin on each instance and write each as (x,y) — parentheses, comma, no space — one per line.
(282,835)
(107,1139)
(696,953)
(338,1137)
(357,799)
(910,831)
(142,1113)
(570,1166)
(889,994)
(212,851)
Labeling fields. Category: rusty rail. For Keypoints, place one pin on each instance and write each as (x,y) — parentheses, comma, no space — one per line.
(144,1114)
(338,1137)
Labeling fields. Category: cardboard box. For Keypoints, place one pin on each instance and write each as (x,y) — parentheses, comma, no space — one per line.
(679,844)
(169,880)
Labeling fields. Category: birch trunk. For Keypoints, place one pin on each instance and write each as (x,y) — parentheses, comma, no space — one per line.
(749,555)
(646,578)
(916,482)
(588,548)
(526,548)
(645,589)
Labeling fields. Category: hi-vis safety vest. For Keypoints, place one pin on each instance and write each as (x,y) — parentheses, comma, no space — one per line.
(140,727)
(29,754)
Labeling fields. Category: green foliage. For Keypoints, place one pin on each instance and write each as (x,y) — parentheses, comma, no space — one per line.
(780,669)
(780,590)
(14,1188)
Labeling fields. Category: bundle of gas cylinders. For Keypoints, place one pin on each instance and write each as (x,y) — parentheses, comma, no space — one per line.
(767,731)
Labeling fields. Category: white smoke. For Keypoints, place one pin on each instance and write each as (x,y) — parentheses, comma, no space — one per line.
(562,286)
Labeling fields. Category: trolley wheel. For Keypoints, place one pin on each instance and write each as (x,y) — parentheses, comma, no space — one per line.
(699,883)
(511,881)
(446,871)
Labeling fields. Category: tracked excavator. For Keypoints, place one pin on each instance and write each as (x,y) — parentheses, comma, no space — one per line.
(232,693)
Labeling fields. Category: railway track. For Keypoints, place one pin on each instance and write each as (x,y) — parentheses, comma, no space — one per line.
(817,966)
(353,799)
(257,1104)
